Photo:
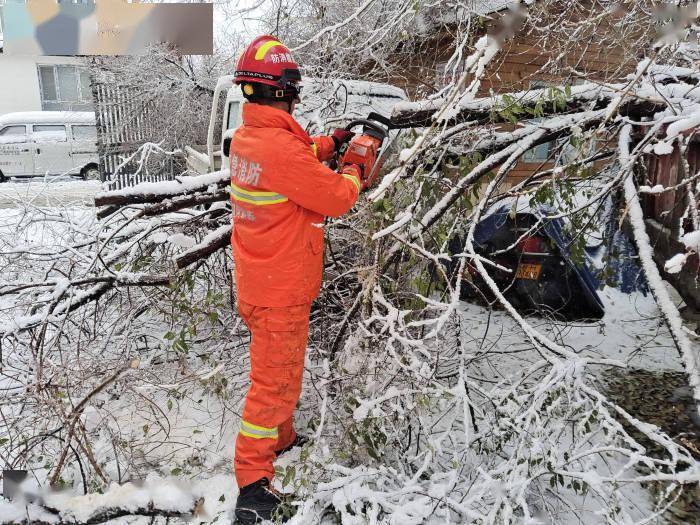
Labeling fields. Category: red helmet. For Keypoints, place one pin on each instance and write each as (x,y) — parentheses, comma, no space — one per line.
(267,61)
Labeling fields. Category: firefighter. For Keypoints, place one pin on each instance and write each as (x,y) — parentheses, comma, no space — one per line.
(280,194)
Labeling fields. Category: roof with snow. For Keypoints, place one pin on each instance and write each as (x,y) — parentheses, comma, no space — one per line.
(428,19)
(365,87)
(48,117)
(485,7)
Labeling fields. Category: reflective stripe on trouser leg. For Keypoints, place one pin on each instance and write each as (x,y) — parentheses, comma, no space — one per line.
(278,344)
(258,432)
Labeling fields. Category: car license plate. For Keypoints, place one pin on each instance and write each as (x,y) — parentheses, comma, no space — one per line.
(528,271)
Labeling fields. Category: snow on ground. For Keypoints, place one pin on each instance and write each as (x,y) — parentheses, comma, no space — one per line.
(632,331)
(169,494)
(59,191)
(196,449)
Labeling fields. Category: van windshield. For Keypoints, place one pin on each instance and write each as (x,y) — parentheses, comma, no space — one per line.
(233,110)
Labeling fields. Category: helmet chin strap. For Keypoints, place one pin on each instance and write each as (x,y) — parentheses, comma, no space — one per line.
(255,91)
(291,101)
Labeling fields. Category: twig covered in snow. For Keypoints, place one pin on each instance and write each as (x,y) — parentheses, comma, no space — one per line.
(212,243)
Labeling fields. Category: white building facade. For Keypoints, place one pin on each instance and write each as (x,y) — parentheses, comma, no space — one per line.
(40,83)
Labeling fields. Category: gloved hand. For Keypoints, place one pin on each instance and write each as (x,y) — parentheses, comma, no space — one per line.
(360,170)
(341,136)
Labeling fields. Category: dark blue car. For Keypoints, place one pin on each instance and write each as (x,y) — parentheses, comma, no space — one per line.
(541,275)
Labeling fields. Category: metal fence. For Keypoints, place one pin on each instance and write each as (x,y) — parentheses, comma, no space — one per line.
(125,126)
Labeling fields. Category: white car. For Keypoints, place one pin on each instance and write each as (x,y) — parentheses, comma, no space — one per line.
(325,104)
(39,143)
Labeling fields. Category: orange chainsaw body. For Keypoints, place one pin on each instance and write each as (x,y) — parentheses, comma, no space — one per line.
(363,150)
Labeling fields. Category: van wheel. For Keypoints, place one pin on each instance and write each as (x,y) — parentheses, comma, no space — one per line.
(91,173)
(3,178)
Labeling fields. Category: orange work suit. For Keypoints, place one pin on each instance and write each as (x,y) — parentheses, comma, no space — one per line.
(280,194)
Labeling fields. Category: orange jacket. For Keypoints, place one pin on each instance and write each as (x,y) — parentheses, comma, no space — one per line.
(280,193)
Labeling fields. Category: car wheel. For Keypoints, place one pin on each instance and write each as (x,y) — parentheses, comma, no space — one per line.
(91,173)
(3,178)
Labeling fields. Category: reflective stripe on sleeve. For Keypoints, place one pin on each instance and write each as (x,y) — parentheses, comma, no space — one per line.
(257,432)
(354,179)
(259,198)
(314,148)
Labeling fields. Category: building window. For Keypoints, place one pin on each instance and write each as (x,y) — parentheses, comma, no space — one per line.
(446,76)
(65,88)
(539,153)
(542,152)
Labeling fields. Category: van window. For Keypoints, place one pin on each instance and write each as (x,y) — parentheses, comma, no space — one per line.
(87,133)
(233,109)
(49,133)
(13,135)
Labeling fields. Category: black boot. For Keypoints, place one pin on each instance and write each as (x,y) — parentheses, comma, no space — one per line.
(256,503)
(299,441)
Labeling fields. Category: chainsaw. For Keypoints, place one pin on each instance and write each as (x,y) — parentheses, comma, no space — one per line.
(369,143)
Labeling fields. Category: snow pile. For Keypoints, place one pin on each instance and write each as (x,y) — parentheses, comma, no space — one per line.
(692,241)
(689,122)
(198,501)
(675,263)
(663,148)
(657,189)
(165,494)
(182,240)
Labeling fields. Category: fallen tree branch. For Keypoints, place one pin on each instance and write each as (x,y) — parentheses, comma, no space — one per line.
(72,418)
(157,192)
(585,120)
(173,204)
(486,110)
(45,515)
(216,240)
(81,298)
(119,279)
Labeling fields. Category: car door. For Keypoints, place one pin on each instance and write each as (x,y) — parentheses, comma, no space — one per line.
(15,151)
(83,145)
(52,151)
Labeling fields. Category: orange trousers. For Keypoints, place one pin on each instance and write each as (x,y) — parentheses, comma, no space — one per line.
(277,348)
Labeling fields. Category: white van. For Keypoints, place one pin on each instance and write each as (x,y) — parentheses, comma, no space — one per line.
(38,143)
(325,104)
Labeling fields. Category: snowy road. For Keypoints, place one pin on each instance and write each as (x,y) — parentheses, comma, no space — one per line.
(52,193)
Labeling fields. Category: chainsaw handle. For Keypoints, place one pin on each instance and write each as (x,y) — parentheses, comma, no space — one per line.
(369,124)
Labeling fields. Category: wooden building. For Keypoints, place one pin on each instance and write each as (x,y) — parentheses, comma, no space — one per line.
(529,58)
(666,215)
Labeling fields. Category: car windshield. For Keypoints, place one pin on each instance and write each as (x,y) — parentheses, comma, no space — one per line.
(233,110)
